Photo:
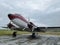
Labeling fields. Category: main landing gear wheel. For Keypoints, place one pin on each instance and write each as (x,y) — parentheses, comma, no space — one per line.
(14,34)
(33,35)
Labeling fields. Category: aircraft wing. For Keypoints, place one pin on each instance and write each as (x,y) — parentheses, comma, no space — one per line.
(4,27)
(54,29)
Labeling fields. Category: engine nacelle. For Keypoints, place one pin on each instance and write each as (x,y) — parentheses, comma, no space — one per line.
(10,25)
(30,25)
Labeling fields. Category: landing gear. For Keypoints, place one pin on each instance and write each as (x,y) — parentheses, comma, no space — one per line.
(14,34)
(33,35)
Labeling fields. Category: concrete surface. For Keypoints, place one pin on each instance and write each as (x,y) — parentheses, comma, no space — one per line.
(25,40)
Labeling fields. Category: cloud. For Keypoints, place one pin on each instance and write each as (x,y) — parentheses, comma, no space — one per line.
(54,6)
(32,4)
(1,19)
(6,5)
(53,10)
(39,24)
(45,12)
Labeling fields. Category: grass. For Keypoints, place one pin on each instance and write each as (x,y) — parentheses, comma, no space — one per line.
(9,32)
(50,33)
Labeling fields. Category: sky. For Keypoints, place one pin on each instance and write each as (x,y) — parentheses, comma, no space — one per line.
(40,12)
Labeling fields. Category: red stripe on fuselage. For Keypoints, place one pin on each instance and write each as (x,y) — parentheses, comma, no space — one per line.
(19,17)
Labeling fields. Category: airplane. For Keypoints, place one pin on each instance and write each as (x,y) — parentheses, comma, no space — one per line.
(19,22)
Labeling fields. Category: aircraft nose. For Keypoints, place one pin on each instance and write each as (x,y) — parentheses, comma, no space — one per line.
(11,16)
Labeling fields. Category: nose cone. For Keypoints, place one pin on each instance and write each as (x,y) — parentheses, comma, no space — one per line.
(11,16)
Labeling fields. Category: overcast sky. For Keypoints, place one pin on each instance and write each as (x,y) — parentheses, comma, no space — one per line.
(40,12)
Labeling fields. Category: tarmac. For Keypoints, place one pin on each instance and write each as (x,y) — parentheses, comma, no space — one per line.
(25,39)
